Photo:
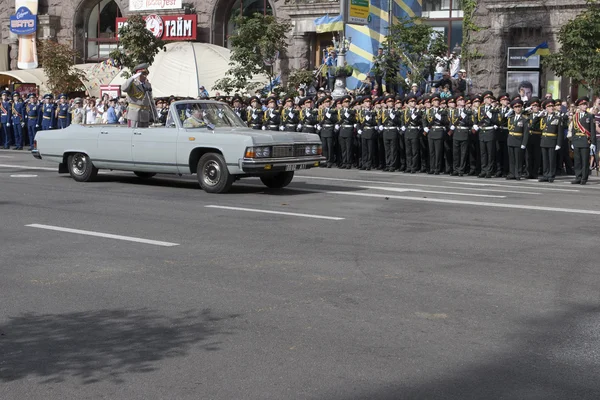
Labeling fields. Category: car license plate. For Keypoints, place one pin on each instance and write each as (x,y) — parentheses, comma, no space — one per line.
(294,167)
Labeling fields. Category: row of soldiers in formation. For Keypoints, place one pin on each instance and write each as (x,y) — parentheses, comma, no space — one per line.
(480,135)
(19,117)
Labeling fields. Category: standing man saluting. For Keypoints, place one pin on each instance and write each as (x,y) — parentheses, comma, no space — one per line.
(139,96)
(583,140)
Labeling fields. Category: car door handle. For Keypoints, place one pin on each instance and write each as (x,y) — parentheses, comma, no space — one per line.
(104,133)
(137,133)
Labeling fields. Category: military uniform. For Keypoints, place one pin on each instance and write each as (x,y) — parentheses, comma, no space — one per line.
(5,120)
(18,120)
(460,124)
(504,112)
(289,117)
(63,116)
(367,133)
(33,110)
(347,119)
(308,117)
(139,97)
(486,118)
(533,151)
(583,137)
(434,126)
(552,128)
(254,116)
(77,112)
(271,116)
(412,123)
(48,113)
(518,134)
(327,119)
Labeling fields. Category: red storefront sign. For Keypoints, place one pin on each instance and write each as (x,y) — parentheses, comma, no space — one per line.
(168,27)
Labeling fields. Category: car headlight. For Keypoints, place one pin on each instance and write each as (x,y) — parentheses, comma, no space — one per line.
(308,150)
(266,152)
(314,149)
(258,152)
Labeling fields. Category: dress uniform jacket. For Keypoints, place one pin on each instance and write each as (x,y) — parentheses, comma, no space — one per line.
(63,116)
(139,97)
(308,120)
(271,120)
(584,130)
(48,116)
(518,131)
(552,130)
(289,119)
(254,118)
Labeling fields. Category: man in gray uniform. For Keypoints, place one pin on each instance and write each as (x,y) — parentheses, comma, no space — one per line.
(139,97)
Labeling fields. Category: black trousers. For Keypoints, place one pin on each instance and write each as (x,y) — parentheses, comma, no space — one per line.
(515,161)
(474,161)
(346,150)
(549,162)
(380,151)
(582,163)
(401,153)
(501,157)
(487,152)
(534,156)
(448,153)
(424,150)
(460,154)
(413,145)
(328,149)
(357,150)
(391,152)
(368,152)
(436,155)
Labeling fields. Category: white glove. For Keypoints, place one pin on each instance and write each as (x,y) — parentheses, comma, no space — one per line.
(337,127)
(221,115)
(328,115)
(22,124)
(572,147)
(476,127)
(264,129)
(204,114)
(403,128)
(254,116)
(495,126)
(271,115)
(414,116)
(355,125)
(557,148)
(281,128)
(367,117)
(307,112)
(319,127)
(346,114)
(489,114)
(593,147)
(522,147)
(8,124)
(380,127)
(463,115)
(360,131)
(135,76)
(37,125)
(452,128)
(299,127)
(438,116)
(291,114)
(392,115)
(426,129)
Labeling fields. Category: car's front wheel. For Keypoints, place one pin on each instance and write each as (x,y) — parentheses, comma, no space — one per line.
(279,180)
(81,167)
(144,175)
(213,175)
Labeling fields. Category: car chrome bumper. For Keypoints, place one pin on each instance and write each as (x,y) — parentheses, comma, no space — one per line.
(36,154)
(279,164)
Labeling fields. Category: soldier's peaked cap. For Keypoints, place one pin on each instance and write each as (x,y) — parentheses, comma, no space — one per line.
(271,98)
(488,93)
(141,67)
(304,100)
(548,102)
(390,98)
(535,101)
(516,102)
(582,100)
(504,96)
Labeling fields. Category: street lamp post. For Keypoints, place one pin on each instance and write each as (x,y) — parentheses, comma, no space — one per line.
(341,46)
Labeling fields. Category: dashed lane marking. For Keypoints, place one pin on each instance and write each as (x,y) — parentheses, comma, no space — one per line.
(275,212)
(432,192)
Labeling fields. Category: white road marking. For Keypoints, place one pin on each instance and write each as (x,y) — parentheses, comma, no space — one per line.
(432,192)
(540,187)
(23,176)
(276,212)
(103,235)
(6,157)
(408,184)
(472,203)
(28,167)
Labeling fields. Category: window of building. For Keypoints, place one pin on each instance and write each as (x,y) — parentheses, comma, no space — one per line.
(100,34)
(446,17)
(228,10)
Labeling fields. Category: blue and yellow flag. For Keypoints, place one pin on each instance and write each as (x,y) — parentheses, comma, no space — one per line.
(367,39)
(329,24)
(540,50)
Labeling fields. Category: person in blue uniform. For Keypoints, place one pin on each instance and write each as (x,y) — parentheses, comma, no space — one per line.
(48,113)
(63,116)
(33,111)
(5,119)
(18,120)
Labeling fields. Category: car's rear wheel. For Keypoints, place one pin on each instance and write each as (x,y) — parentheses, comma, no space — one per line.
(81,167)
(213,175)
(279,180)
(144,175)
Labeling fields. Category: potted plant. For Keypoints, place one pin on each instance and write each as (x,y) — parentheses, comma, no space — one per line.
(345,71)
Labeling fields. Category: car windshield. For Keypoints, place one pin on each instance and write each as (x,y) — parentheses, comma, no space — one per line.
(200,115)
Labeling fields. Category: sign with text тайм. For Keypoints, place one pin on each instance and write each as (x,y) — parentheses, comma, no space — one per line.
(23,22)
(168,27)
(358,12)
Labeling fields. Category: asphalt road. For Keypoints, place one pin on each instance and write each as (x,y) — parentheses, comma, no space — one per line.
(420,287)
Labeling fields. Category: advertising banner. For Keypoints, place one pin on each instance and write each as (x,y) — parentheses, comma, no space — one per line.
(358,12)
(517,59)
(111,90)
(168,27)
(25,21)
(524,83)
(143,5)
(25,89)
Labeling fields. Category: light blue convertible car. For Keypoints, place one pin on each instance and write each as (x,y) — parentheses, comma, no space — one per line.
(200,137)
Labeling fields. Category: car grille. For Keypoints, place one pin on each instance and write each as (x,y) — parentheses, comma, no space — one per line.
(298,150)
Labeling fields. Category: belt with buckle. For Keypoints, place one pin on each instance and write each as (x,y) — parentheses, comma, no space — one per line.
(550,134)
(46,117)
(515,133)
(62,116)
(347,126)
(535,132)
(487,128)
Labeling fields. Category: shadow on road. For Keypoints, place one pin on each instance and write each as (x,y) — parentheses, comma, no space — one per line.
(554,357)
(100,345)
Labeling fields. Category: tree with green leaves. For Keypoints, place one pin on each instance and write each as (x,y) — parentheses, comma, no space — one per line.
(136,45)
(579,55)
(415,45)
(258,42)
(58,64)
